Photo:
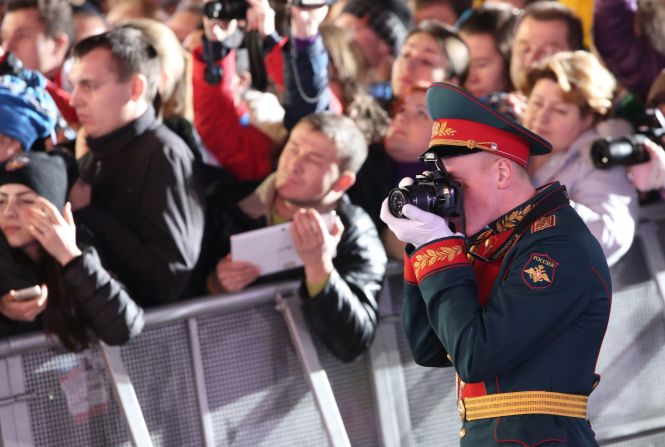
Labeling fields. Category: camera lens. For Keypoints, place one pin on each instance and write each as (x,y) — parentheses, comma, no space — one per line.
(397,198)
(608,152)
(418,195)
(225,9)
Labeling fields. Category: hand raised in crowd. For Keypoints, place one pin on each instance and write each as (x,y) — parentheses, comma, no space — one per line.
(419,227)
(54,231)
(651,174)
(515,106)
(305,21)
(512,104)
(80,194)
(218,30)
(315,245)
(20,310)
(233,276)
(260,17)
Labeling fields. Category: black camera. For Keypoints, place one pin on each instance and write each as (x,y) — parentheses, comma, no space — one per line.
(630,150)
(225,9)
(434,191)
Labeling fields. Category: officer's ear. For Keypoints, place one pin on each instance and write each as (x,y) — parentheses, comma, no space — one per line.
(504,172)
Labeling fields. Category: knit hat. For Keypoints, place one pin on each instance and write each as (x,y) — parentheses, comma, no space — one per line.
(27,111)
(44,173)
(391,20)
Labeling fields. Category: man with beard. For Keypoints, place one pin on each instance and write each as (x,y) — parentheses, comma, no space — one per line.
(630,37)
(317,166)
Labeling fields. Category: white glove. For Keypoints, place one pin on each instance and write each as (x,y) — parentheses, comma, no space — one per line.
(420,228)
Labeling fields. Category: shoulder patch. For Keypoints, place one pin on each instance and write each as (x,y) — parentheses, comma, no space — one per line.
(543,223)
(539,271)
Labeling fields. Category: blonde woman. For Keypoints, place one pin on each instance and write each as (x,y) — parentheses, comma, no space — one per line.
(569,94)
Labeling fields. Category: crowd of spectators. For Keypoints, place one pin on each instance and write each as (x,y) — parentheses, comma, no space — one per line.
(175,125)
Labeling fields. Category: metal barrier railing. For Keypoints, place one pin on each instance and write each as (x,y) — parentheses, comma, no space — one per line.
(243,369)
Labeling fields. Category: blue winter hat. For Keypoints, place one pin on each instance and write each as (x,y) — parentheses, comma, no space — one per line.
(27,111)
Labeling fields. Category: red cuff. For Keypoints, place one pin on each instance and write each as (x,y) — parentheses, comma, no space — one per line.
(438,255)
(409,274)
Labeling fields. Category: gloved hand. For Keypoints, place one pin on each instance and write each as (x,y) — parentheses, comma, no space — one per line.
(421,226)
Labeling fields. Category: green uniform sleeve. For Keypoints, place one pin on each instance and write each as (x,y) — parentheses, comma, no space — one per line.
(545,287)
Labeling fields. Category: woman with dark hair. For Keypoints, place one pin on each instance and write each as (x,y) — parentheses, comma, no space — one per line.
(488,31)
(432,52)
(40,252)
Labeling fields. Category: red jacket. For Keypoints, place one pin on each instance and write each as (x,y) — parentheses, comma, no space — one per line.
(61,98)
(244,150)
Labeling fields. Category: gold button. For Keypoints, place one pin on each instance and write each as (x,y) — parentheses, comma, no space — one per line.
(461,409)
(450,357)
(462,384)
(462,432)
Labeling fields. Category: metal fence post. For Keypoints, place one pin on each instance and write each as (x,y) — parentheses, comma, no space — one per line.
(124,393)
(316,375)
(388,378)
(199,381)
(14,414)
(654,257)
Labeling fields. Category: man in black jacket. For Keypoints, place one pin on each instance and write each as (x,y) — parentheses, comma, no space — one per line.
(339,291)
(138,192)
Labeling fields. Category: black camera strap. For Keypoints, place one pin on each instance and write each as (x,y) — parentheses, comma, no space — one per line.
(546,205)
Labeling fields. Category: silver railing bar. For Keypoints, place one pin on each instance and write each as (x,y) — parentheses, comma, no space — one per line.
(195,307)
(126,397)
(315,374)
(653,254)
(199,381)
(388,379)
(180,310)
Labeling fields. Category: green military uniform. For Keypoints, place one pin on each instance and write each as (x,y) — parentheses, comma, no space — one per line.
(519,310)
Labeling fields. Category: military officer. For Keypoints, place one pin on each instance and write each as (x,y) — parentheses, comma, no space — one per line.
(518,301)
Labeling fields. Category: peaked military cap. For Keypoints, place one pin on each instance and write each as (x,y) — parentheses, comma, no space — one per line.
(463,125)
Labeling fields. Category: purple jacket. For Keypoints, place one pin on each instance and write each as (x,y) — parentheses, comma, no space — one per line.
(631,58)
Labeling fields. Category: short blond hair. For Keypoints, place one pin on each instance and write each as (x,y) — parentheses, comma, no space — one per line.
(581,77)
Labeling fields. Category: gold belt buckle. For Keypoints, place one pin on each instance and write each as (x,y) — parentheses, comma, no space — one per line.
(461,409)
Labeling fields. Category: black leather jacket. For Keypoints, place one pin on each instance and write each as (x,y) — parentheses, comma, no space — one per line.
(345,313)
(102,301)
